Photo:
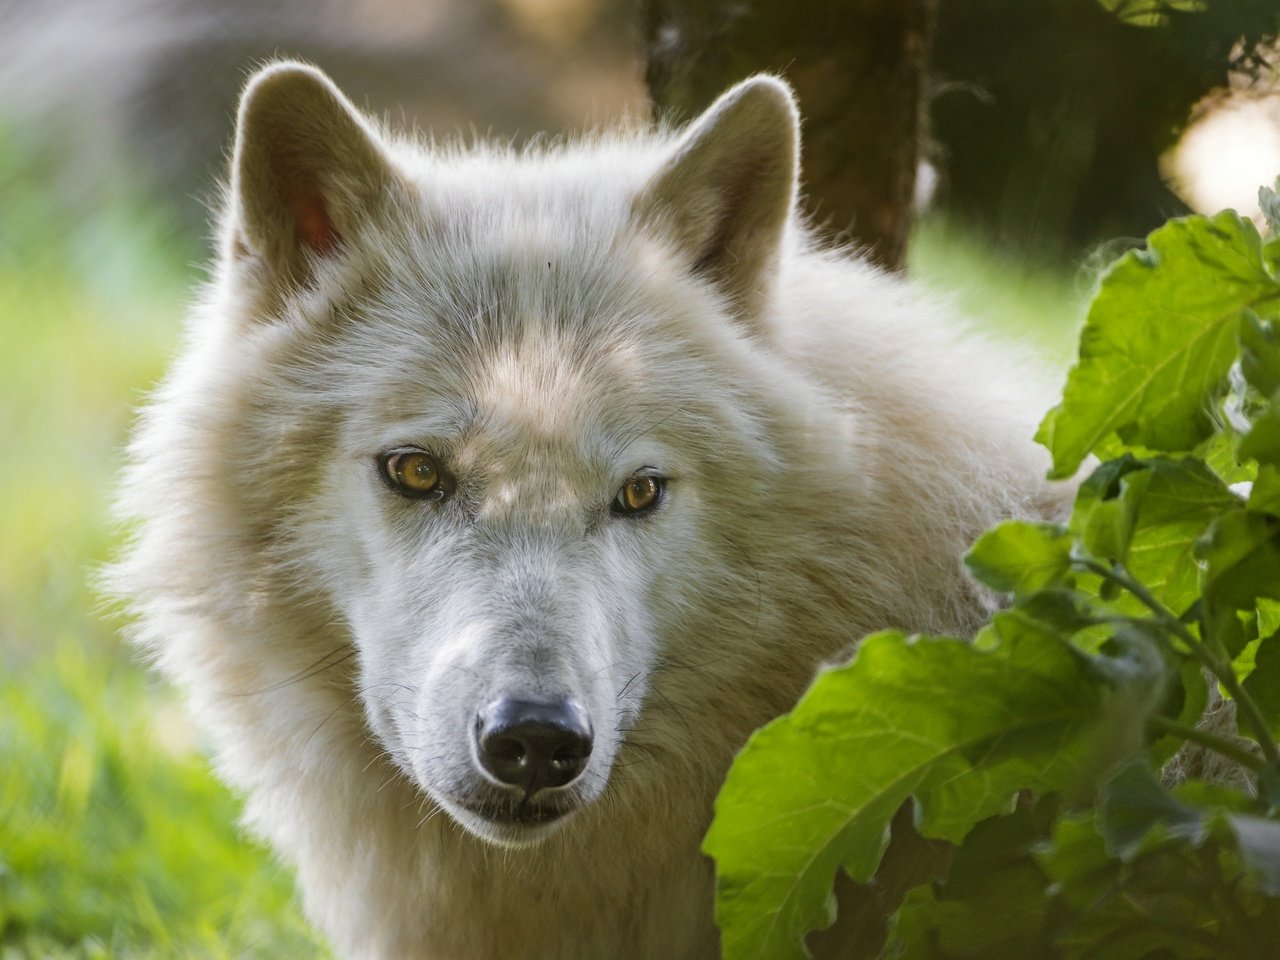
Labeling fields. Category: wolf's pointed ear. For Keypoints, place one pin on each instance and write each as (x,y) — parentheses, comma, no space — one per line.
(726,194)
(306,167)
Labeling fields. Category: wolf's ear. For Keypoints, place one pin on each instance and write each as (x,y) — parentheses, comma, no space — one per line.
(306,168)
(726,194)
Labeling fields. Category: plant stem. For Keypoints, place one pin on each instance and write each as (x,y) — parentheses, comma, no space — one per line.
(1216,665)
(1215,743)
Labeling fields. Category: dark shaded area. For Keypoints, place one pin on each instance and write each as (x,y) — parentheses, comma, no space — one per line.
(862,923)
(858,69)
(1049,118)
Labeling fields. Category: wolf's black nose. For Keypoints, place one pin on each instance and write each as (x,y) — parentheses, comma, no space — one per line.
(533,745)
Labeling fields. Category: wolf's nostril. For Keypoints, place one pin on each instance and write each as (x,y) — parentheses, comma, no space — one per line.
(504,749)
(534,745)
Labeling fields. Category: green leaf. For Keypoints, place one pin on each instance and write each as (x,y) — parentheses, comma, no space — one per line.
(1101,518)
(1159,339)
(1149,13)
(1231,628)
(1241,557)
(1018,556)
(1132,804)
(1265,495)
(1149,515)
(1188,886)
(1263,681)
(1077,859)
(1268,617)
(1187,698)
(1260,353)
(1259,840)
(993,903)
(1172,508)
(1219,455)
(1136,814)
(959,728)
(1262,442)
(1270,204)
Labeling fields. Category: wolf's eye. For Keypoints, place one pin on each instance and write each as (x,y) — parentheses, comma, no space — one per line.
(639,494)
(415,473)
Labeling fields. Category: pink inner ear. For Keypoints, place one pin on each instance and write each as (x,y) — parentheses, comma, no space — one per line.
(311,220)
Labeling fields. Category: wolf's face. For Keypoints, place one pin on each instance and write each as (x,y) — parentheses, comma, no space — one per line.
(512,446)
(514,543)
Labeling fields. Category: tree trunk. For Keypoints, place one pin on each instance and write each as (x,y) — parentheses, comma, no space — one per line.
(858,68)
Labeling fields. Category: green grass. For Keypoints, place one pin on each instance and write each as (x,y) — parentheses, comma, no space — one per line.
(115,839)
(1009,296)
(115,836)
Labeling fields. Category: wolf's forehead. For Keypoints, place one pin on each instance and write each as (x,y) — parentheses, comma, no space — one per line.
(547,400)
(519,337)
(539,391)
(532,329)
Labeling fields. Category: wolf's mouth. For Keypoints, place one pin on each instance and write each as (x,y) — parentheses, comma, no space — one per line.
(520,813)
(507,822)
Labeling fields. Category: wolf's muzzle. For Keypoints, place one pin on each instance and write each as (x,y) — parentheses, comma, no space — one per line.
(533,745)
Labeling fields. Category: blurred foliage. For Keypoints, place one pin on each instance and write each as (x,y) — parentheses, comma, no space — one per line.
(1051,117)
(115,840)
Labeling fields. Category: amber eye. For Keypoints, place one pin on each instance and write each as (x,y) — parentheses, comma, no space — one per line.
(638,495)
(414,473)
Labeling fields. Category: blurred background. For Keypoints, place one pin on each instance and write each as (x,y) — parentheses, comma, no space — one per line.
(1038,139)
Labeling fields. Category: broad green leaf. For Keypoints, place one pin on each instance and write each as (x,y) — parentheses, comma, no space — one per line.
(1149,515)
(1172,506)
(1242,665)
(1100,517)
(1018,556)
(1052,613)
(1107,910)
(1219,455)
(993,904)
(1263,682)
(1262,442)
(959,728)
(1260,353)
(1166,900)
(1132,804)
(1232,628)
(1136,814)
(1159,339)
(1077,860)
(1264,497)
(1268,617)
(1218,451)
(1241,557)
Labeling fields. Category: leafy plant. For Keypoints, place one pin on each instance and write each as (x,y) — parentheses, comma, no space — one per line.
(1151,13)
(1101,759)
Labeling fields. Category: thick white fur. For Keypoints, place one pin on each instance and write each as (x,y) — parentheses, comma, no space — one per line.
(546,322)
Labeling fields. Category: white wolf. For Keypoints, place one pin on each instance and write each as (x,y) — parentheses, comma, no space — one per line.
(499,495)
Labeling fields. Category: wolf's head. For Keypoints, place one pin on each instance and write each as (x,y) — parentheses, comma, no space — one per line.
(491,418)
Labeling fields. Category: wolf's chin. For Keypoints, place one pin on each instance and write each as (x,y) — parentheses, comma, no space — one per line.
(511,835)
